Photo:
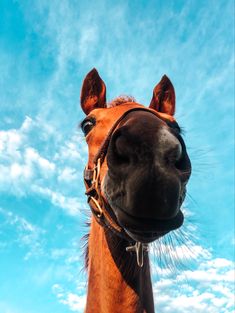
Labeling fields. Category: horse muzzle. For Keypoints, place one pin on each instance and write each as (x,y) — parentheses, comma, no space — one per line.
(143,185)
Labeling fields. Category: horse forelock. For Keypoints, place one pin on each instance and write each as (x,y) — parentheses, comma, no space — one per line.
(120,100)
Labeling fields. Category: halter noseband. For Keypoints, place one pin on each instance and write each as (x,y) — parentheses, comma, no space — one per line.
(100,209)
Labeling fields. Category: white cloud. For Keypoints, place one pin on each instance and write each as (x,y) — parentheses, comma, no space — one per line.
(10,142)
(219,263)
(74,302)
(68,174)
(88,39)
(32,156)
(52,174)
(72,151)
(208,288)
(190,279)
(17,221)
(19,162)
(18,171)
(72,205)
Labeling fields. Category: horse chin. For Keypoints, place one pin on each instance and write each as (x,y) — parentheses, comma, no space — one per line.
(145,237)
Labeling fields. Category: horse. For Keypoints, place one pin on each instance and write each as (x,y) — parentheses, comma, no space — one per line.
(135,181)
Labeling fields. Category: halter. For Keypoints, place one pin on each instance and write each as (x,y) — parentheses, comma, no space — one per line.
(100,209)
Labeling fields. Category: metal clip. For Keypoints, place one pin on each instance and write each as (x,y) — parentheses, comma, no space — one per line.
(139,249)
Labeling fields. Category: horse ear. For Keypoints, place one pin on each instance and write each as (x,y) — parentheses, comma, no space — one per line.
(93,94)
(163,99)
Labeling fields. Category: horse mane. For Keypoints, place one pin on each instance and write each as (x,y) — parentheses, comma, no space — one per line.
(120,100)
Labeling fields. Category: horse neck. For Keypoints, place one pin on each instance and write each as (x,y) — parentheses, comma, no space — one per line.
(115,282)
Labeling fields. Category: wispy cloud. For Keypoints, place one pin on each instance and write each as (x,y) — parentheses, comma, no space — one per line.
(188,277)
(74,302)
(71,205)
(18,231)
(50,174)
(208,288)
(8,308)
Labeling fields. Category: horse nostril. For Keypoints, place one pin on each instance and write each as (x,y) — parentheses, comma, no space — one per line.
(171,159)
(120,148)
(177,153)
(174,154)
(183,164)
(120,145)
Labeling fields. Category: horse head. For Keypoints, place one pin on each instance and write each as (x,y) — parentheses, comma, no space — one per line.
(138,166)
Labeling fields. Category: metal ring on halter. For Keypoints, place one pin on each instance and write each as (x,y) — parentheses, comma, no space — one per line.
(98,207)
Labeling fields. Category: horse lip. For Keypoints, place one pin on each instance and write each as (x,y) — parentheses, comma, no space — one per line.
(146,225)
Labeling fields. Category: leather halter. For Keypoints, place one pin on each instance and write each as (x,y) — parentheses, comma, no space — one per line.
(101,210)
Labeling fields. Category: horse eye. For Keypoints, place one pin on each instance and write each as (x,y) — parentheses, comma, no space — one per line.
(87,125)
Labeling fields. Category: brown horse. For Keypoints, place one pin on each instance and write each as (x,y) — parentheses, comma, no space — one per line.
(135,181)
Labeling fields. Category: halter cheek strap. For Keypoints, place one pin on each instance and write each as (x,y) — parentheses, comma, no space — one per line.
(101,210)
(98,206)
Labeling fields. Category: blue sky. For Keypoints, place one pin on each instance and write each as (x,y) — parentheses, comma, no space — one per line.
(46,49)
